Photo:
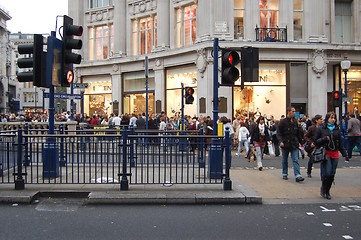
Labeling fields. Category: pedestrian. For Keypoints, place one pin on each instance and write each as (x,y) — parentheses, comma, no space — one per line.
(236,126)
(133,121)
(259,138)
(273,133)
(243,139)
(354,134)
(310,141)
(140,122)
(290,135)
(328,135)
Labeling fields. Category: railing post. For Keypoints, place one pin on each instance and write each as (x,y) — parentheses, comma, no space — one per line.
(26,155)
(227,183)
(124,183)
(62,161)
(131,154)
(201,153)
(19,181)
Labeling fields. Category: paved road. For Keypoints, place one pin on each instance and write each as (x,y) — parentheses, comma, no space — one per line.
(69,219)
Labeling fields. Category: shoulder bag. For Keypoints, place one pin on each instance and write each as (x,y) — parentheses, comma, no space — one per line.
(319,155)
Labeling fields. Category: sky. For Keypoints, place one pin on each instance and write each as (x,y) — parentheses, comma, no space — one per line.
(34,16)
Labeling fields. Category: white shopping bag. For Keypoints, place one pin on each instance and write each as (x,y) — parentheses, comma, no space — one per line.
(270,148)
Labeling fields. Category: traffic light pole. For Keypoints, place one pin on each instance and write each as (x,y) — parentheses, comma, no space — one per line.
(146,93)
(215,151)
(346,120)
(182,117)
(72,102)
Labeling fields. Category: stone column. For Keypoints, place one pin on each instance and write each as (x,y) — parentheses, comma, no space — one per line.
(117,86)
(120,36)
(159,83)
(163,17)
(317,84)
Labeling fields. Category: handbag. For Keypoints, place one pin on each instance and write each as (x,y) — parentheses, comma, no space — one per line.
(319,155)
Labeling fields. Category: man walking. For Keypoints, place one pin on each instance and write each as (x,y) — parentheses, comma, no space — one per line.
(354,134)
(290,135)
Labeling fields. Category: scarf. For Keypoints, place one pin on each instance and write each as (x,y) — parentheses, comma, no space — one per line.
(330,126)
(261,129)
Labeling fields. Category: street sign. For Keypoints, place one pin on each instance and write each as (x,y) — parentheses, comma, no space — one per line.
(64,96)
(71,97)
(70,76)
(347,99)
(81,85)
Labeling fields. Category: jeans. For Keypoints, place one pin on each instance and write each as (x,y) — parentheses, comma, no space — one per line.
(294,157)
(352,142)
(246,146)
(277,148)
(328,167)
(309,166)
(259,151)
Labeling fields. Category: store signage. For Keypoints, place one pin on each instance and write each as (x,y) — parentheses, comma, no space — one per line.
(347,99)
(81,85)
(64,96)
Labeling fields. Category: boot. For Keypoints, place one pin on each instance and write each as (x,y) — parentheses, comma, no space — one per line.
(329,184)
(323,187)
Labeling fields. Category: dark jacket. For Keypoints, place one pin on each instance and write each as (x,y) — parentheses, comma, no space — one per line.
(140,123)
(289,133)
(310,138)
(256,134)
(334,142)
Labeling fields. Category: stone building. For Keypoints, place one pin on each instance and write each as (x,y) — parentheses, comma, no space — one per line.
(301,44)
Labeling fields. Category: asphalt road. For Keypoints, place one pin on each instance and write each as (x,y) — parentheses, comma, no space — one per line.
(70,219)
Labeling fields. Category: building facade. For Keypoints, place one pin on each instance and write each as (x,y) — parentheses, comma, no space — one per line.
(301,44)
(8,83)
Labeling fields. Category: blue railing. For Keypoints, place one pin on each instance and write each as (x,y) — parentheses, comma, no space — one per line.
(113,156)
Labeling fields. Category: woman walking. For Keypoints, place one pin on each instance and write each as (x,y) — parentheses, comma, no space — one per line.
(259,137)
(243,138)
(328,135)
(310,139)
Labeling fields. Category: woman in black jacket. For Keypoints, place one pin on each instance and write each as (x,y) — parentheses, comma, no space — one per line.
(259,137)
(328,135)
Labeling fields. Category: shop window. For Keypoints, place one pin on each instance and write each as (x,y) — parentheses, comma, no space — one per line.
(186,25)
(98,96)
(101,42)
(297,19)
(353,87)
(144,35)
(238,19)
(175,78)
(268,13)
(267,96)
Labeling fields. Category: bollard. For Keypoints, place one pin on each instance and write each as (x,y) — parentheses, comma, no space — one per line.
(124,183)
(26,155)
(227,183)
(19,181)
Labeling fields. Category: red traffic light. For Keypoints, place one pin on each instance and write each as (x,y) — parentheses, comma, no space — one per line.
(336,95)
(230,59)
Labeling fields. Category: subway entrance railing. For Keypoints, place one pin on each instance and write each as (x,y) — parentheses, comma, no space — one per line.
(114,156)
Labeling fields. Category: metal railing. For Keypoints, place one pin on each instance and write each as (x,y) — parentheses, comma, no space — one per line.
(113,156)
(271,34)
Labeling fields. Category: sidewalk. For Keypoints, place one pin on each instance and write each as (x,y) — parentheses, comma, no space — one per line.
(137,194)
(248,186)
(273,189)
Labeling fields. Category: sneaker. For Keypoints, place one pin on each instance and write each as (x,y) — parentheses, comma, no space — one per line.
(237,154)
(300,179)
(309,175)
(285,178)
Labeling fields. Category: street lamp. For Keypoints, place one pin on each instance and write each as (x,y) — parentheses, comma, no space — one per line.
(345,65)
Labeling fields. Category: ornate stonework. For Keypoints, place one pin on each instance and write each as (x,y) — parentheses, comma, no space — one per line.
(201,61)
(318,61)
(138,7)
(115,68)
(100,15)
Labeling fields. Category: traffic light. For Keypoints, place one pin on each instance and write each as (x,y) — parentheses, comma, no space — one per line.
(250,64)
(337,98)
(230,73)
(11,105)
(189,95)
(36,62)
(69,43)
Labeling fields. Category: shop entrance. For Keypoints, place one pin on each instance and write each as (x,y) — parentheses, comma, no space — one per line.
(136,103)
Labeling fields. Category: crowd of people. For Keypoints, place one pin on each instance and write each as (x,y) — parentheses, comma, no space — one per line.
(259,134)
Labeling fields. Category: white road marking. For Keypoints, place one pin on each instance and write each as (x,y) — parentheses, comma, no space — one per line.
(347,237)
(327,224)
(327,210)
(310,213)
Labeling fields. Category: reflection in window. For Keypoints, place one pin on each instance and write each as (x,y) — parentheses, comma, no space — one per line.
(238,19)
(144,35)
(186,25)
(100,3)
(268,13)
(297,19)
(101,42)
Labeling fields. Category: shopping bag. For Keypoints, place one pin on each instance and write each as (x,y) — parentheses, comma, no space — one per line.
(319,155)
(270,148)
